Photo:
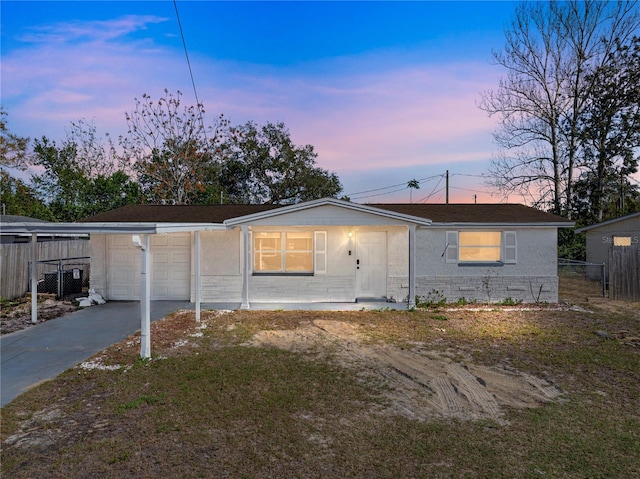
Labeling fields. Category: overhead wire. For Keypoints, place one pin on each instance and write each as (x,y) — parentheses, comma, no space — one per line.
(186,54)
(402,185)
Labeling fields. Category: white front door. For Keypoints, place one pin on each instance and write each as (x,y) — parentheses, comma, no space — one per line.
(371,264)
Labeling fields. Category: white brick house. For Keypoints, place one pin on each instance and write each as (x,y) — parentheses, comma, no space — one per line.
(333,251)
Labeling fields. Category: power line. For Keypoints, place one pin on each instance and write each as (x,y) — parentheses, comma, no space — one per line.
(433,191)
(403,185)
(186,54)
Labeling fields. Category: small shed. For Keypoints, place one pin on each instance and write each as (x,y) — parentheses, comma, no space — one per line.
(623,231)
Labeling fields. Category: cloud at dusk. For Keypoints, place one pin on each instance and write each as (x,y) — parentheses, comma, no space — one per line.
(376,118)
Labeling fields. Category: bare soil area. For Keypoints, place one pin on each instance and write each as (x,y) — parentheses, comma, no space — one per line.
(16,314)
(419,384)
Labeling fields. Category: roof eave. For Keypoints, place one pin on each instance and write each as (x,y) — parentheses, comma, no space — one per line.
(106,228)
(606,223)
(463,224)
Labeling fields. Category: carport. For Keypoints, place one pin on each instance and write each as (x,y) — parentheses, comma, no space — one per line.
(140,236)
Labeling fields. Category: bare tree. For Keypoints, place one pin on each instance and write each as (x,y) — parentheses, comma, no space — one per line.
(169,147)
(549,52)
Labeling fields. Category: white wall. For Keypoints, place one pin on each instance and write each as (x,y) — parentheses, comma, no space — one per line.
(532,278)
(222,280)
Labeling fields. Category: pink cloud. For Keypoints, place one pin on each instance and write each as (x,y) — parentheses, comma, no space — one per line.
(362,114)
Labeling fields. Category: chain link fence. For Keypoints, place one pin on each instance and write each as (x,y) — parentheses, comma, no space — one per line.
(593,275)
(63,276)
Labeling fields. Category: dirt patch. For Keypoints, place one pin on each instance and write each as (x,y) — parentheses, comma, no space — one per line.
(16,314)
(419,384)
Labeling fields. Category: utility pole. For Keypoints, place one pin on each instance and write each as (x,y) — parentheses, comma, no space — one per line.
(447,186)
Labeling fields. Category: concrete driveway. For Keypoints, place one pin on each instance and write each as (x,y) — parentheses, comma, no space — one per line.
(41,352)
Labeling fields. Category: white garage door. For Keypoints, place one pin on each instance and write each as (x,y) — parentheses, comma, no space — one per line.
(170,267)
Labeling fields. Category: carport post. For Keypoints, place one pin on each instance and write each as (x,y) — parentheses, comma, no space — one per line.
(142,242)
(197,274)
(245,262)
(411,303)
(34,278)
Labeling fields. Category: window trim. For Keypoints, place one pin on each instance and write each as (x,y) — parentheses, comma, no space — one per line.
(318,255)
(508,252)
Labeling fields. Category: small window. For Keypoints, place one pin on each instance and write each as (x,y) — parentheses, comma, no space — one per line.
(622,241)
(479,246)
(288,252)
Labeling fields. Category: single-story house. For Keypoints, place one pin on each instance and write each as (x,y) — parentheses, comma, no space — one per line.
(623,231)
(330,250)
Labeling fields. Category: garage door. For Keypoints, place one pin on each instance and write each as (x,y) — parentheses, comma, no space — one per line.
(170,267)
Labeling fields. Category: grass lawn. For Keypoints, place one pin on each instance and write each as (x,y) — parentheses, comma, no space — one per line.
(213,402)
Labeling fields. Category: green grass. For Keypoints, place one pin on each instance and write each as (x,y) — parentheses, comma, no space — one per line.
(231,410)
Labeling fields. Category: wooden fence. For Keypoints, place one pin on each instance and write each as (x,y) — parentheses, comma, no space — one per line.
(15,259)
(624,273)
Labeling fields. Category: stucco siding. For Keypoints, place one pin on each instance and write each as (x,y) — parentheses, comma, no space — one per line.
(328,215)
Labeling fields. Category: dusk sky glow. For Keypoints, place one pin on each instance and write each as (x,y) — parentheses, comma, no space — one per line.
(386,92)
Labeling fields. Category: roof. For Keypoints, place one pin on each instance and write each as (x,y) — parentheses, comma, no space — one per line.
(607,223)
(176,213)
(502,213)
(472,213)
(20,219)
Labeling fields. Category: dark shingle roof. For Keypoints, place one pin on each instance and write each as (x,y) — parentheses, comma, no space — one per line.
(438,213)
(176,213)
(474,213)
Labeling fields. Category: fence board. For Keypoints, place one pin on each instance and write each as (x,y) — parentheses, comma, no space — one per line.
(624,273)
(15,257)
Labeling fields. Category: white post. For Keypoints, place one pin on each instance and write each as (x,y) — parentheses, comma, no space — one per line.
(197,273)
(245,260)
(412,267)
(34,278)
(145,297)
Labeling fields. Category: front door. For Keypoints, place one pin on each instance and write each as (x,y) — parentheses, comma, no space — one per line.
(371,265)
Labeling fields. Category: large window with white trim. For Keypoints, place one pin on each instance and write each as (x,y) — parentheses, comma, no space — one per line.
(283,252)
(475,247)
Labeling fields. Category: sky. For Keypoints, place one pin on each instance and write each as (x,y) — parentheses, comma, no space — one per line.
(386,92)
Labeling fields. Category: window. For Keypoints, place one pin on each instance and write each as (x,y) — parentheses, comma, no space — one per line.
(283,252)
(622,241)
(481,247)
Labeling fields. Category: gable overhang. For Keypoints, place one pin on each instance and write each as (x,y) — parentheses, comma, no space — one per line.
(265,216)
(584,229)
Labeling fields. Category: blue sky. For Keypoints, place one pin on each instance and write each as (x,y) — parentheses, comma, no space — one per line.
(385,91)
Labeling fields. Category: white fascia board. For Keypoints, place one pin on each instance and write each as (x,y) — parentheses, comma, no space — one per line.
(77,228)
(187,227)
(327,201)
(567,224)
(81,229)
